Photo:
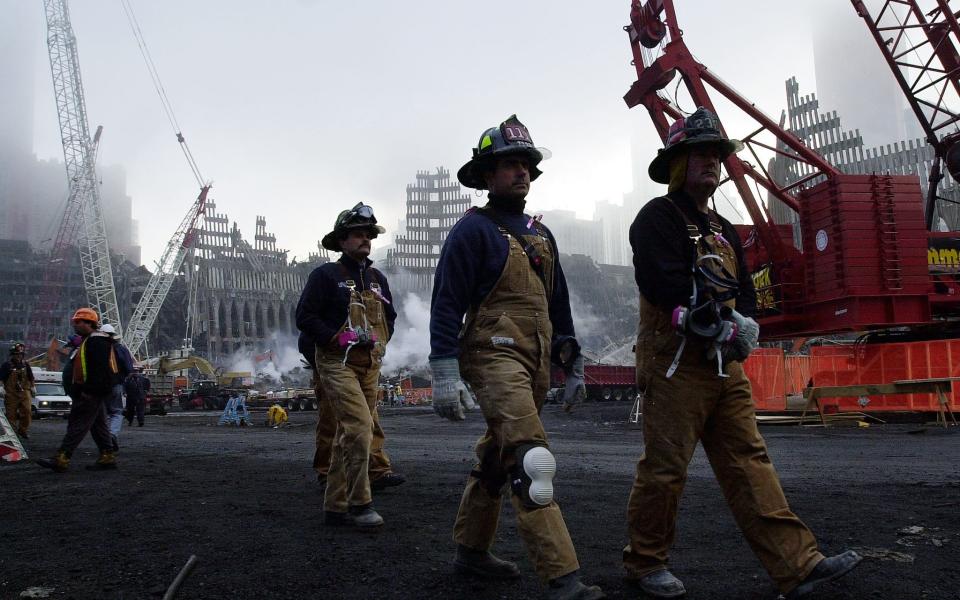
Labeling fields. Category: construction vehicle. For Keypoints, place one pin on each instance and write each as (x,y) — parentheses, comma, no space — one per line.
(861,258)
(292,399)
(210,391)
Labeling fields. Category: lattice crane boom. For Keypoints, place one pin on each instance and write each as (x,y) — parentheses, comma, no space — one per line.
(927,70)
(145,314)
(84,213)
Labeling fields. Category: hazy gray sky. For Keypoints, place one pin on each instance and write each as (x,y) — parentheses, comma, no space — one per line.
(297,109)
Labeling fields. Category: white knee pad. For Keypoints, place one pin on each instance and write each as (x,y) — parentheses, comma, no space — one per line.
(533,476)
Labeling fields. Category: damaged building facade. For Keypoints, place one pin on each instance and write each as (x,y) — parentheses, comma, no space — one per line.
(235,297)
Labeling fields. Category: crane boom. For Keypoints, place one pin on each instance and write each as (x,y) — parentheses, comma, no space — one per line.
(79,158)
(928,72)
(145,314)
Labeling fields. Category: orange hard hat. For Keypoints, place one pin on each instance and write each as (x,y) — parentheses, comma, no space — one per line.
(86,314)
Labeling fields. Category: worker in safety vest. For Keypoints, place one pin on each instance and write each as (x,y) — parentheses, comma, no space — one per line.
(94,371)
(19,389)
(380,469)
(500,268)
(696,329)
(347,309)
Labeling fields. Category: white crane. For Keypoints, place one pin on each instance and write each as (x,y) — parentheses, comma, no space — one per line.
(79,157)
(167,269)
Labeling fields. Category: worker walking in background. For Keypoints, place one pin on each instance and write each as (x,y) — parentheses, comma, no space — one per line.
(696,328)
(137,387)
(380,469)
(19,389)
(501,268)
(347,311)
(93,373)
(125,365)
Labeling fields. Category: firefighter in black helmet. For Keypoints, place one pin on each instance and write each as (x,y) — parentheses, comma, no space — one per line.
(347,312)
(696,328)
(499,268)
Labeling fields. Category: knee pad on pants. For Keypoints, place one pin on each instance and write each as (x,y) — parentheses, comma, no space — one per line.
(532,476)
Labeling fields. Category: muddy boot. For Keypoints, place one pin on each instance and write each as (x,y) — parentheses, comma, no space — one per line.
(58,463)
(365,516)
(23,435)
(107,461)
(483,564)
(386,481)
(661,584)
(828,569)
(569,587)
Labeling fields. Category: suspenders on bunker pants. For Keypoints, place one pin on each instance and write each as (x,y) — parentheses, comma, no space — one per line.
(349,380)
(505,357)
(695,404)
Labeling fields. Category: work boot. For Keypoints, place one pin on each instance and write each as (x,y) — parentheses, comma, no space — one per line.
(58,463)
(661,584)
(828,569)
(387,480)
(23,435)
(107,461)
(365,516)
(482,563)
(569,587)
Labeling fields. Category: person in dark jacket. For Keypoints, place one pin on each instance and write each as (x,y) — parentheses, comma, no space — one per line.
(696,328)
(93,372)
(347,310)
(136,386)
(500,313)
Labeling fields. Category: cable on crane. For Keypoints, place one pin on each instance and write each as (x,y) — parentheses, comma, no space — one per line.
(161,91)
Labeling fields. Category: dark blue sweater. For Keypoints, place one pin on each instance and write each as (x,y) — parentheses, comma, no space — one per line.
(323,305)
(471,261)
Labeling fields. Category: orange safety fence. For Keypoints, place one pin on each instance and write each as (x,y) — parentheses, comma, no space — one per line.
(886,363)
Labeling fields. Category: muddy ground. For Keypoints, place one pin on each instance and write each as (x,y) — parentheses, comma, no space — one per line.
(247,504)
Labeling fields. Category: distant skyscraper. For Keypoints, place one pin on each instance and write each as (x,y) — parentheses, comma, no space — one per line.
(575,236)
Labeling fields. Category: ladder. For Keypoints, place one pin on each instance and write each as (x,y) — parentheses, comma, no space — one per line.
(11,450)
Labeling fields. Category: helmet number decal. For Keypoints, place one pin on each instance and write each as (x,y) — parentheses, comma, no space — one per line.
(515,133)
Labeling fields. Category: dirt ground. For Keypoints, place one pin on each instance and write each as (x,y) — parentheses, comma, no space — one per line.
(246,503)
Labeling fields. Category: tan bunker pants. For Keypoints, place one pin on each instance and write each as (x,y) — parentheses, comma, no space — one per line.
(697,405)
(18,407)
(326,433)
(352,393)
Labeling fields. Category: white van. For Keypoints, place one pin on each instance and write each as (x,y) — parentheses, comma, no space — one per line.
(51,399)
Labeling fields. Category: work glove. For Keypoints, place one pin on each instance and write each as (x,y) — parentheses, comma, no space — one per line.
(451,398)
(746,340)
(574,386)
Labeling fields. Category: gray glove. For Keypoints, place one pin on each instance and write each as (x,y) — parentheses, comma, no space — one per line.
(574,385)
(450,396)
(748,334)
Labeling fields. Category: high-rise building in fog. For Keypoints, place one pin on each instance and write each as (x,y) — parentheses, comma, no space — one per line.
(575,236)
(854,79)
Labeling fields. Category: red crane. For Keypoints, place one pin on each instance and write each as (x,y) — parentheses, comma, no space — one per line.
(928,72)
(863,263)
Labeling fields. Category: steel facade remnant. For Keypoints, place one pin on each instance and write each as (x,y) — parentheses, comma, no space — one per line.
(84,214)
(927,70)
(168,267)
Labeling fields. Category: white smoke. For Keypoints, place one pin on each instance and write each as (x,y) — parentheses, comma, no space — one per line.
(585,322)
(409,349)
(286,359)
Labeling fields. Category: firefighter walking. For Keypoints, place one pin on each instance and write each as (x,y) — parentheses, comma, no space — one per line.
(19,389)
(499,267)
(696,329)
(347,310)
